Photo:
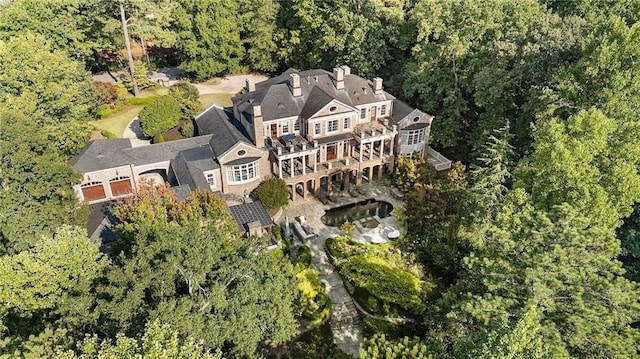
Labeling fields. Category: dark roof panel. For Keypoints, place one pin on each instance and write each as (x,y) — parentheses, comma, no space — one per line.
(246,213)
(164,151)
(100,154)
(400,111)
(335,138)
(216,122)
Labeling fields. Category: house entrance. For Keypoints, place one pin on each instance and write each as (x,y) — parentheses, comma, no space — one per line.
(332,152)
(274,131)
(374,109)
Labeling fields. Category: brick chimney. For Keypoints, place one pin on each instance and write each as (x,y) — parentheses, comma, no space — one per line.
(258,132)
(250,85)
(295,85)
(338,76)
(377,86)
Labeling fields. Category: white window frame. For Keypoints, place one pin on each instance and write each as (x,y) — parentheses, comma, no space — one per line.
(211,179)
(296,125)
(383,110)
(316,128)
(363,113)
(346,123)
(243,173)
(414,137)
(285,127)
(332,125)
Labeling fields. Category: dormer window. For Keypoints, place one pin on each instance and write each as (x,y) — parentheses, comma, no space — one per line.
(211,180)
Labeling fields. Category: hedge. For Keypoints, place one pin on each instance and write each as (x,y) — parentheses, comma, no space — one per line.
(389,284)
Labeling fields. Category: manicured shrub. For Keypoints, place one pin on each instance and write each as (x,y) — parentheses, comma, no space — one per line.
(106,92)
(108,134)
(273,193)
(160,115)
(141,101)
(389,284)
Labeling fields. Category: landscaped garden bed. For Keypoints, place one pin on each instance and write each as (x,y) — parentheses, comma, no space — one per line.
(381,280)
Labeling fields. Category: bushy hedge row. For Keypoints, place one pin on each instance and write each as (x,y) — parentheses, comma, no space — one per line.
(303,260)
(390,284)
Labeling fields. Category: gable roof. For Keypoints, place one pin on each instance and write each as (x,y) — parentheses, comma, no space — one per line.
(100,154)
(400,111)
(190,164)
(165,151)
(217,122)
(246,213)
(317,86)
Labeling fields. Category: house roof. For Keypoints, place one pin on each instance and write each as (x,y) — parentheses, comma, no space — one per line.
(190,164)
(247,213)
(317,89)
(182,192)
(164,151)
(400,111)
(100,154)
(217,122)
(415,126)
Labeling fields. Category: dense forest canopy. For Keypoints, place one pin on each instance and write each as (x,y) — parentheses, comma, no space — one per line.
(535,247)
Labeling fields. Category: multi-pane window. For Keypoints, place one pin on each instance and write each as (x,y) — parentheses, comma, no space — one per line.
(413,137)
(316,129)
(211,180)
(285,128)
(347,123)
(332,125)
(383,110)
(243,173)
(296,126)
(363,113)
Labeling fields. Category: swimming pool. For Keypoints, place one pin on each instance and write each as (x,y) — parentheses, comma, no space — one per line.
(362,211)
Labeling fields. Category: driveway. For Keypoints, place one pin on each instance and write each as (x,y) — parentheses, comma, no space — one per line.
(229,84)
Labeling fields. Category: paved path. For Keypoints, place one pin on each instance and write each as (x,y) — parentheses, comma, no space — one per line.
(229,84)
(134,134)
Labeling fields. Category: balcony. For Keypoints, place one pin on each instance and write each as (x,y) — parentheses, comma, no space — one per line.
(374,131)
(437,160)
(290,145)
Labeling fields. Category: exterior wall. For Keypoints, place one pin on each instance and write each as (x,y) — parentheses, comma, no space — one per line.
(217,179)
(137,170)
(232,155)
(369,107)
(290,121)
(415,116)
(104,177)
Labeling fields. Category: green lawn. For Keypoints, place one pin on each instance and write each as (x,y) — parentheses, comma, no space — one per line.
(118,122)
(220,99)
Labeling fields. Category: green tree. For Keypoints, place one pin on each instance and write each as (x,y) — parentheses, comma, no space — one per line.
(259,26)
(563,263)
(209,37)
(379,346)
(588,161)
(159,341)
(180,262)
(36,193)
(46,291)
(47,85)
(273,193)
(187,95)
(162,114)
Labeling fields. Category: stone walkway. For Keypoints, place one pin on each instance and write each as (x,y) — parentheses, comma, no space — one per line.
(345,320)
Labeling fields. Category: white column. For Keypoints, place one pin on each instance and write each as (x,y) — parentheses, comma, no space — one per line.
(360,151)
(292,171)
(370,150)
(280,167)
(315,162)
(391,143)
(304,165)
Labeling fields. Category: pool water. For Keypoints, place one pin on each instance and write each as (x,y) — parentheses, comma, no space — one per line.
(358,211)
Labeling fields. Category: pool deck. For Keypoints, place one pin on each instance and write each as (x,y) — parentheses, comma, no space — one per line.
(313,210)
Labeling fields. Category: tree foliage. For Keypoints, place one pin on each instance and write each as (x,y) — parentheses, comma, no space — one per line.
(180,262)
(162,114)
(273,193)
(379,346)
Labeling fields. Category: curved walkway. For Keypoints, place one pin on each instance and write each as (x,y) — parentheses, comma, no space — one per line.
(345,319)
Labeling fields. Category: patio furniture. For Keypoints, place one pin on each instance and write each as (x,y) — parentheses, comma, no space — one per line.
(394,235)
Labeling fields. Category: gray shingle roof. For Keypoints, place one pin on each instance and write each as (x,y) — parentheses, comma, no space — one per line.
(100,154)
(164,151)
(274,95)
(246,213)
(415,126)
(334,138)
(400,111)
(216,122)
(190,164)
(182,192)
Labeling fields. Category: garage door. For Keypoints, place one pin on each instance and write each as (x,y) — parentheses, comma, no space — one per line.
(93,192)
(120,187)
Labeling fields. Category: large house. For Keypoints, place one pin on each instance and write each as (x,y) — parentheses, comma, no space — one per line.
(314,129)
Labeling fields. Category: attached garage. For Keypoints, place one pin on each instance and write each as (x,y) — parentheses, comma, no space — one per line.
(93,191)
(120,186)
